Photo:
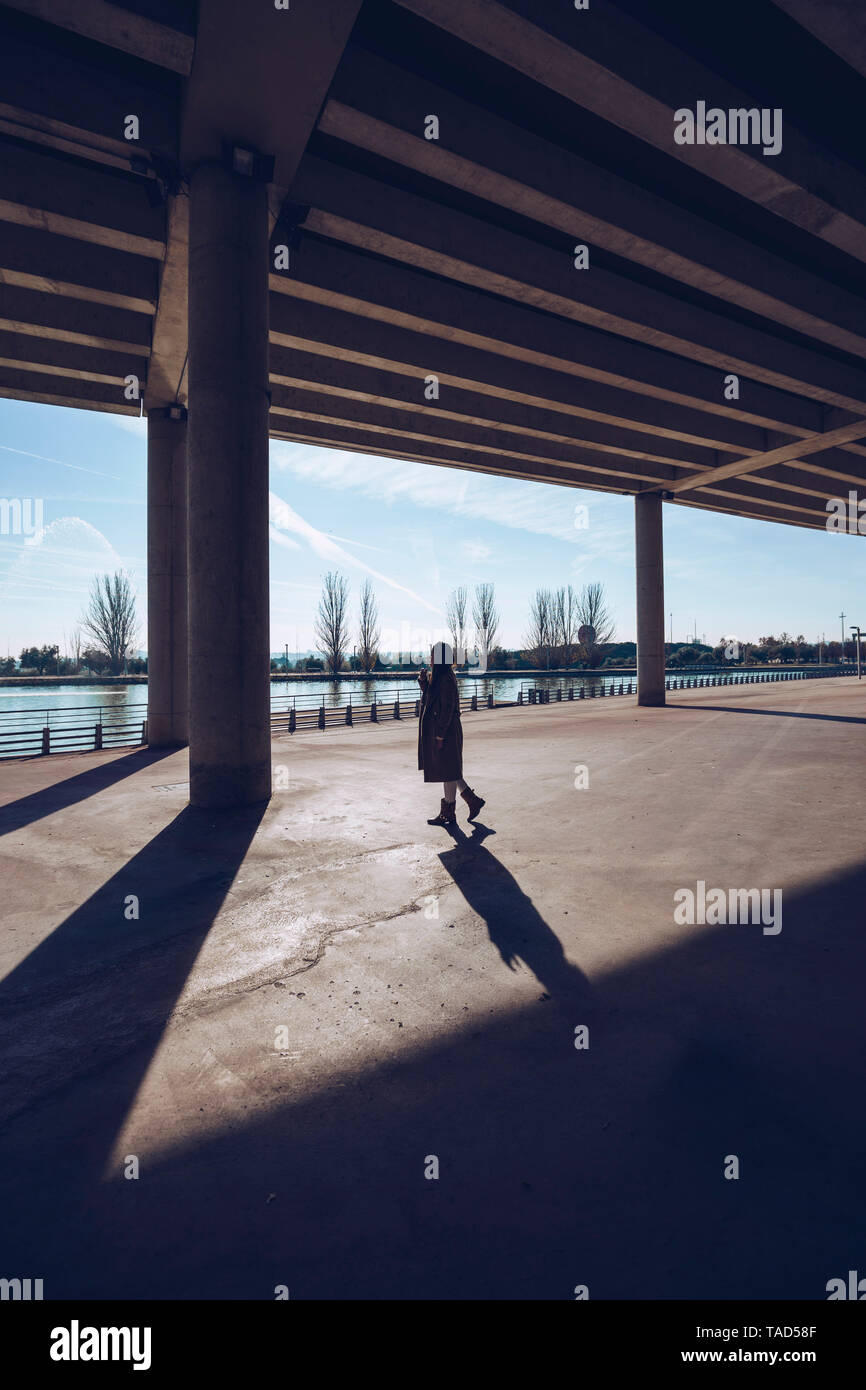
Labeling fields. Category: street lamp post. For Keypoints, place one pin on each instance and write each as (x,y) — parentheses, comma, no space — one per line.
(857,631)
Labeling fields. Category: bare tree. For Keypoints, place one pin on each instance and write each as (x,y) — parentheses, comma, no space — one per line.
(455,613)
(109,618)
(332,628)
(486,619)
(369,632)
(592,611)
(540,634)
(566,623)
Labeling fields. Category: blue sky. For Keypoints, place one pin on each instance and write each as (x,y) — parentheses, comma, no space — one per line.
(417,530)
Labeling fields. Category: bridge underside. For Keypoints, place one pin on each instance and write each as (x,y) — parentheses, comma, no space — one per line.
(469,238)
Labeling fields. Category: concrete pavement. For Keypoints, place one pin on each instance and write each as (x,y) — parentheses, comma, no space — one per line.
(285,1014)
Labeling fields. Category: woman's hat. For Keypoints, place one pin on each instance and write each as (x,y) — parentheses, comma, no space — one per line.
(443,654)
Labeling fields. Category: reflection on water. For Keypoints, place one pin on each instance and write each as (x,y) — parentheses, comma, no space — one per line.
(32,700)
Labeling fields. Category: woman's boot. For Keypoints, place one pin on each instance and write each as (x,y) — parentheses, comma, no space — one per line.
(447,814)
(473,802)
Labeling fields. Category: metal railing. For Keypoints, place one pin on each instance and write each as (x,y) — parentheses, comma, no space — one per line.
(311,712)
(73,729)
(600,685)
(70,729)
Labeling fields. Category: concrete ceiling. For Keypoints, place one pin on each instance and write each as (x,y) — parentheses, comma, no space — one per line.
(454,258)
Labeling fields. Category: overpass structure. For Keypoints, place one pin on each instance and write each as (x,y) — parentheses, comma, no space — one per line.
(465,232)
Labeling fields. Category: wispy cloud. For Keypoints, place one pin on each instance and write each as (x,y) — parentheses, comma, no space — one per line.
(476,550)
(511,502)
(69,553)
(284,518)
(115,477)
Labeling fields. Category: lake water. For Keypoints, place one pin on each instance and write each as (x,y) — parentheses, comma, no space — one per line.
(31,708)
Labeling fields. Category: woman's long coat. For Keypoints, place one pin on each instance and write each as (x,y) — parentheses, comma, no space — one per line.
(440,714)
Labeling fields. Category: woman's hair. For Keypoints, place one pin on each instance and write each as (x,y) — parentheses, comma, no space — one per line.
(441,675)
(443,654)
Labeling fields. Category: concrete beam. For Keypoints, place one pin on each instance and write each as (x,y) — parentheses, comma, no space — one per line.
(340,384)
(838,24)
(74,94)
(362,212)
(68,360)
(379,107)
(286,58)
(798,449)
(166,382)
(18,385)
(337,435)
(340,278)
(98,204)
(54,316)
(442,428)
(339,338)
(753,512)
(790,185)
(116,27)
(41,260)
(43,315)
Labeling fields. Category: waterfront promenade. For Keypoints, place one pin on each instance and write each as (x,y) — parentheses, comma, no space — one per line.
(429,987)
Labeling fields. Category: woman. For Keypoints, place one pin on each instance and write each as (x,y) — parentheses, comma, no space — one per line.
(440,735)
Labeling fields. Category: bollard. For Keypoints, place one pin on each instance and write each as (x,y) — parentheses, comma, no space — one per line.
(571,692)
(520,696)
(46,739)
(417,709)
(397,708)
(559,692)
(490,704)
(144,731)
(374,717)
(601,689)
(620,687)
(349,713)
(582,693)
(292,720)
(97,737)
(473,703)
(321,716)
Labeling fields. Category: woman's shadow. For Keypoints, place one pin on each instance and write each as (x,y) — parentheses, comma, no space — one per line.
(517,929)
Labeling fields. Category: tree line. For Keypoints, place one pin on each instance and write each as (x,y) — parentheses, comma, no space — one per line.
(556,620)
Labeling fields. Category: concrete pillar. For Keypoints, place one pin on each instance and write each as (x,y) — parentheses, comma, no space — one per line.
(167,685)
(649,567)
(229,640)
